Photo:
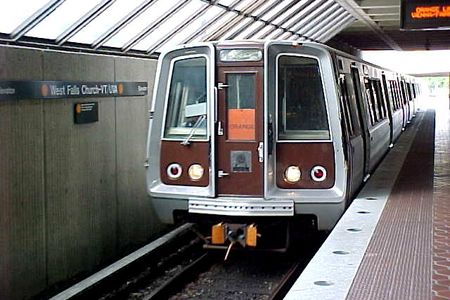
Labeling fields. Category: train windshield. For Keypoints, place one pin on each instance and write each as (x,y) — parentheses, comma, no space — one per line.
(187,105)
(302,113)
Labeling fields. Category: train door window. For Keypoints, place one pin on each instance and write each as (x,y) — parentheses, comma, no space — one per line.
(241,102)
(397,92)
(186,103)
(386,90)
(302,113)
(402,92)
(358,101)
(395,95)
(400,95)
(392,95)
(370,102)
(410,94)
(353,108)
(376,84)
(345,106)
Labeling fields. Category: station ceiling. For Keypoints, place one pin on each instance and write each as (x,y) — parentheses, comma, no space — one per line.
(378,28)
(145,27)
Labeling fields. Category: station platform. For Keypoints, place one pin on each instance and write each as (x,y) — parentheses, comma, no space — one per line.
(393,241)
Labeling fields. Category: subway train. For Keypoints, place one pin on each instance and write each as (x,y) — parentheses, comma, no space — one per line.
(256,140)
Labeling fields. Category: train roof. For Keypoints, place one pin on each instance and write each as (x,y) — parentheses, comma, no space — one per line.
(264,43)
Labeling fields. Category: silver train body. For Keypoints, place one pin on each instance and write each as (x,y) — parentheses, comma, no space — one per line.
(273,129)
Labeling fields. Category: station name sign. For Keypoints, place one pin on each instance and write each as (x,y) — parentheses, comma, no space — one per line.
(422,14)
(19,90)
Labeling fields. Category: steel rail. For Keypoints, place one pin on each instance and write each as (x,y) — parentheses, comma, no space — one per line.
(286,282)
(96,280)
(180,279)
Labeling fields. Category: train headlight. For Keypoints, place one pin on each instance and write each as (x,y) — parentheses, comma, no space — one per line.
(196,172)
(292,174)
(318,173)
(174,171)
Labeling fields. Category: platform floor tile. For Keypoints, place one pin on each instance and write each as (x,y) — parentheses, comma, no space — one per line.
(441,207)
(397,263)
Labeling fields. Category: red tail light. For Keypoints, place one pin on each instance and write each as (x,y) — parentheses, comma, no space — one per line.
(318,173)
(174,171)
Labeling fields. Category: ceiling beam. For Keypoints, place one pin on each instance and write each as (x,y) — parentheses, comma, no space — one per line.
(106,36)
(35,19)
(353,8)
(83,21)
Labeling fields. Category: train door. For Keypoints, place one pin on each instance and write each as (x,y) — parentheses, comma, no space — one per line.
(404,103)
(362,118)
(354,140)
(239,140)
(389,108)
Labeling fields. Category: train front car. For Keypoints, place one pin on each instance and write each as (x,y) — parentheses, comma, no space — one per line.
(246,138)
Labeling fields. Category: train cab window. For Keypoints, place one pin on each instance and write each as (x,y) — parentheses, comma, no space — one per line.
(187,106)
(302,113)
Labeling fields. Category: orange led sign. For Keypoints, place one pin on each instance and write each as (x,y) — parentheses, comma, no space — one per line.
(430,12)
(425,14)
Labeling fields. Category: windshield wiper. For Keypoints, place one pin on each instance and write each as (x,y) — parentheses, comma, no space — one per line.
(199,121)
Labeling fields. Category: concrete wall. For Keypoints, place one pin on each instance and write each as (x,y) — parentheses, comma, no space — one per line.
(72,197)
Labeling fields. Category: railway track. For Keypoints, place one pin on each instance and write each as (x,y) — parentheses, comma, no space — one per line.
(209,277)
(181,269)
(246,276)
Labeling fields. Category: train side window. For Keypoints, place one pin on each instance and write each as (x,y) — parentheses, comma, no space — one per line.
(302,113)
(375,100)
(187,107)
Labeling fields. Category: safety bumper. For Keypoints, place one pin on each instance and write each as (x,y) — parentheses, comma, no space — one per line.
(241,207)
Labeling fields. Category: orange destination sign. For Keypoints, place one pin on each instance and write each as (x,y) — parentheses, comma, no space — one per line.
(241,124)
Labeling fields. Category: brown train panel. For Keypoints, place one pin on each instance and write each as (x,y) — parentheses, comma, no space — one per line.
(174,152)
(306,156)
